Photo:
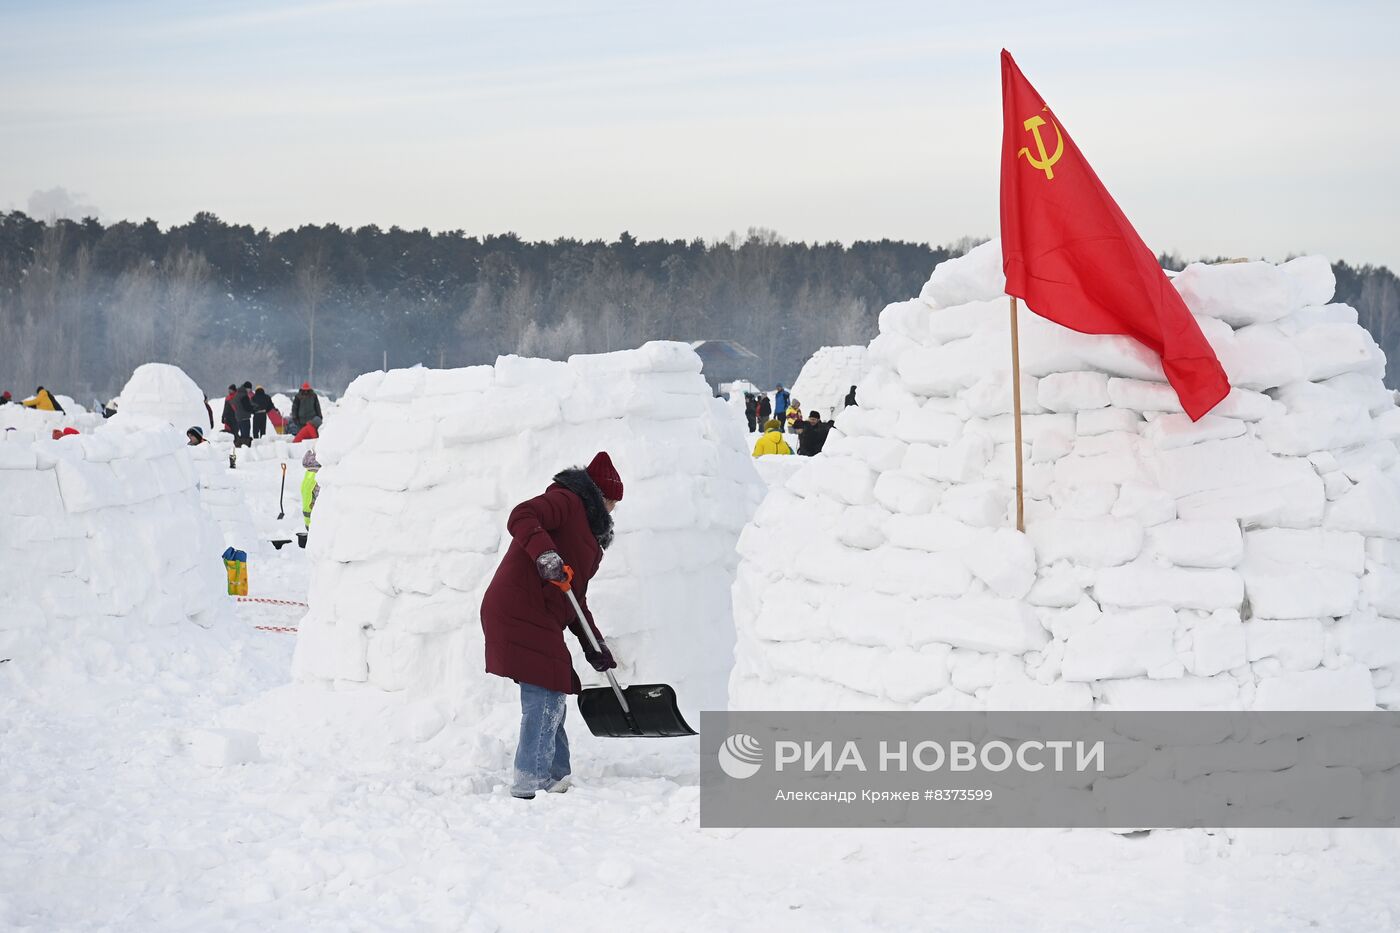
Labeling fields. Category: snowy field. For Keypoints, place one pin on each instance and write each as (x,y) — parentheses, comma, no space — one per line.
(169,765)
(111,821)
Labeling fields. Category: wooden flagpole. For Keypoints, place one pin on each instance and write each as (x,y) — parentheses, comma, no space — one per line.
(1016,411)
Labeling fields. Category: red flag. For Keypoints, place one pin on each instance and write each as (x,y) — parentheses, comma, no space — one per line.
(1071,254)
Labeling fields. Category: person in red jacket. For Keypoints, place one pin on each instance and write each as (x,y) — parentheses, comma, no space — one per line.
(523,615)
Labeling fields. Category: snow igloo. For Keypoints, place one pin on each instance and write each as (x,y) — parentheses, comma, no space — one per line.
(827,376)
(159,393)
(421,468)
(1250,560)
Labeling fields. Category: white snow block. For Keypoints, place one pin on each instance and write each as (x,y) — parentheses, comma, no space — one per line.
(959,462)
(1301,594)
(926,425)
(1296,644)
(1381,588)
(1347,688)
(1218,643)
(1371,641)
(905,493)
(222,748)
(1371,507)
(845,478)
(974,276)
(1004,560)
(1103,420)
(1178,430)
(1193,693)
(1024,694)
(1139,585)
(978,504)
(1072,392)
(1202,543)
(1099,542)
(1284,550)
(1128,643)
(1250,292)
(980,624)
(1146,504)
(1142,396)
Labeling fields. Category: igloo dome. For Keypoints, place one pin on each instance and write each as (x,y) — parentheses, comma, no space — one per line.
(421,469)
(159,393)
(826,378)
(1249,560)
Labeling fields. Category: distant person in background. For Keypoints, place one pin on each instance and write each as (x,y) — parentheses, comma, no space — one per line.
(765,409)
(851,397)
(772,440)
(794,415)
(243,411)
(6,398)
(42,400)
(750,409)
(109,409)
(812,438)
(195,436)
(229,417)
(306,409)
(262,404)
(310,485)
(781,398)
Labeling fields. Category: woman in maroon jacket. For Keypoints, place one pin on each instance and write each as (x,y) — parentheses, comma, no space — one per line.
(524,614)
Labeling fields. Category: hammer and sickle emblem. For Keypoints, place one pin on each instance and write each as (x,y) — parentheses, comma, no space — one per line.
(1046,162)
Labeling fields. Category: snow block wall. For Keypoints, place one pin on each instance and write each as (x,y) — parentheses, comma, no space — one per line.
(421,468)
(106,558)
(1250,560)
(827,377)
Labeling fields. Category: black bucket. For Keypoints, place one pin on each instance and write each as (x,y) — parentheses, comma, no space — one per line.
(301,539)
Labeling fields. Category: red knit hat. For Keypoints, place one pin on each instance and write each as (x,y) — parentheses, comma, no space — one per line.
(601,471)
(306,386)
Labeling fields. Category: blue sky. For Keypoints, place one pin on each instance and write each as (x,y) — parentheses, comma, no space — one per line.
(1239,129)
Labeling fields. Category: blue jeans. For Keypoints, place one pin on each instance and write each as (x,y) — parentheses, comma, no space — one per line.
(542,757)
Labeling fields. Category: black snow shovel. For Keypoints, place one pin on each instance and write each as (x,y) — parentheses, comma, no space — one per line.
(642,710)
(281,508)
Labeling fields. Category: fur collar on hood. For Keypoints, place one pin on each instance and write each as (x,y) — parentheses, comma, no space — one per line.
(578,482)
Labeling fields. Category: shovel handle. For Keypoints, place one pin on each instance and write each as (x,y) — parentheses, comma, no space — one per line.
(592,640)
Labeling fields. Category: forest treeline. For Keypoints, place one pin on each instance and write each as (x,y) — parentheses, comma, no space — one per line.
(82,303)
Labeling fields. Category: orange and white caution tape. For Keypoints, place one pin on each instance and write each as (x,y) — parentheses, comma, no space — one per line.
(275,628)
(273,602)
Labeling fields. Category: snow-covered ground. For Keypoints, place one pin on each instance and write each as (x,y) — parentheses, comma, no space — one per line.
(195,786)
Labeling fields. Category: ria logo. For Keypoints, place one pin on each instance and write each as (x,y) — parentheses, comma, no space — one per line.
(740,756)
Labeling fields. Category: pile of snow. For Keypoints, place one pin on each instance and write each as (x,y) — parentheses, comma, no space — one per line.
(1249,560)
(107,563)
(827,377)
(422,468)
(158,393)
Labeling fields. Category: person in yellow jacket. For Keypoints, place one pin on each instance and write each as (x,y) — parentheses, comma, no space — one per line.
(794,415)
(310,486)
(43,400)
(772,440)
